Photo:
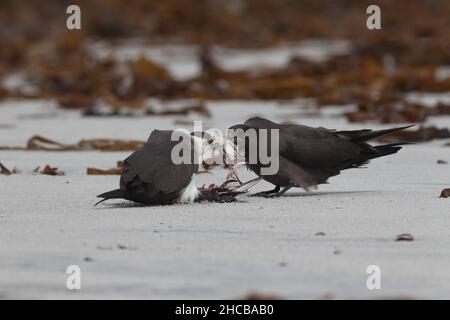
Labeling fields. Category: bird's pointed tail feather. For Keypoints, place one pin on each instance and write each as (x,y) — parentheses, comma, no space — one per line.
(113,194)
(386,149)
(367,134)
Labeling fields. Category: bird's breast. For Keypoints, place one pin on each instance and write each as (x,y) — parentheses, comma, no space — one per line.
(190,192)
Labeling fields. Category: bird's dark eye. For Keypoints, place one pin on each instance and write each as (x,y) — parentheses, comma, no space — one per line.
(210,140)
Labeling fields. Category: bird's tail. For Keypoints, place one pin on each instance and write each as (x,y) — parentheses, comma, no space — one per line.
(113,194)
(372,152)
(367,134)
(387,149)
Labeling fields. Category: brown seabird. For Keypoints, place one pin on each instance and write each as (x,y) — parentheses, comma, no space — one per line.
(309,156)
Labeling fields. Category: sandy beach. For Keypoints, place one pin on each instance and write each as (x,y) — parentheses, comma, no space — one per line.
(301,246)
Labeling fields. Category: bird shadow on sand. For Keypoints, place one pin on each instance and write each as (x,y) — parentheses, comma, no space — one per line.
(324,193)
(443,183)
(122,205)
(299,194)
(128,204)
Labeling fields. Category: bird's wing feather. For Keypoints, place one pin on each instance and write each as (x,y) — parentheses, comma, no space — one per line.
(153,165)
(160,136)
(315,147)
(325,149)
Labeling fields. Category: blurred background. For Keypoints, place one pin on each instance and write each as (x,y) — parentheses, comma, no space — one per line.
(140,65)
(130,51)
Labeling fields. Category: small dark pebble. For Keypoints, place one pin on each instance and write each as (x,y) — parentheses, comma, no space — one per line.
(320,233)
(441,162)
(88,259)
(123,247)
(404,237)
(104,248)
(445,193)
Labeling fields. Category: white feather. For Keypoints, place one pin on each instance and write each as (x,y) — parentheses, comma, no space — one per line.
(190,192)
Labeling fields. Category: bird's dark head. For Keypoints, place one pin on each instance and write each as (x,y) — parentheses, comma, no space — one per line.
(239,136)
(236,127)
(237,131)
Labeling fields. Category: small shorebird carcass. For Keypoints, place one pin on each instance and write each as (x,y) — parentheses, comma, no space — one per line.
(309,156)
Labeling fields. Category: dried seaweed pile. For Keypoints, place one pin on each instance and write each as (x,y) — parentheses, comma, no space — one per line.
(39,143)
(236,23)
(407,55)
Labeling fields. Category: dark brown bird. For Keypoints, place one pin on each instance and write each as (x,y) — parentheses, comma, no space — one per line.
(309,156)
(150,177)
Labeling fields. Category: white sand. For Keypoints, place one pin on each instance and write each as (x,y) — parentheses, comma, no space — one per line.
(217,250)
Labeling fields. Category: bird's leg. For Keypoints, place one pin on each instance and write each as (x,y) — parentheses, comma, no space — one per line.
(232,174)
(249,184)
(278,193)
(266,193)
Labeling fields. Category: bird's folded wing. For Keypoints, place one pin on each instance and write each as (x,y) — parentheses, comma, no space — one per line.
(316,148)
(160,136)
(153,165)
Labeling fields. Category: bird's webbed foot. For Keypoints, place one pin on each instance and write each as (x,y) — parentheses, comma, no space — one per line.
(278,193)
(267,193)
